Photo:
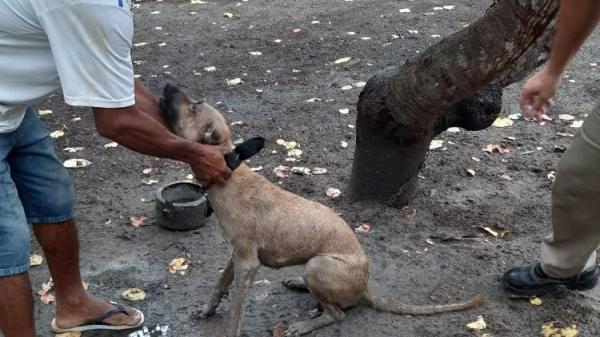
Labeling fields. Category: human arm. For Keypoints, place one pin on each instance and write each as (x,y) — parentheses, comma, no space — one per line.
(576,21)
(141,128)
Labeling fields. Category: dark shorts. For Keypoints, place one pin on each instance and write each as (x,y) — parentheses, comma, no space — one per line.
(35,188)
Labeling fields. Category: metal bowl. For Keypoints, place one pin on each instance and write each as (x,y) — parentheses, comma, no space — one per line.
(182,206)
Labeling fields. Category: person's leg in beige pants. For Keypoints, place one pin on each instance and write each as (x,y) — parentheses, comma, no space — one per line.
(571,247)
(569,253)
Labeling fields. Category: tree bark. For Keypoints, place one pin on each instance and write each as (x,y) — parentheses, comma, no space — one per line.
(402,108)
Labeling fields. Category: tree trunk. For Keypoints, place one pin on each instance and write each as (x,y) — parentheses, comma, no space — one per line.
(402,108)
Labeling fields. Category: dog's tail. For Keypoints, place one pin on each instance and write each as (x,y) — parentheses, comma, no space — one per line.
(381,304)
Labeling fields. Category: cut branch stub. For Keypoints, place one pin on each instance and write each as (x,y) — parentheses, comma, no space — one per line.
(401,109)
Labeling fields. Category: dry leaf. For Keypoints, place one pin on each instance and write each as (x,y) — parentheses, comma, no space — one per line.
(505,176)
(210,69)
(112,144)
(344,111)
(256,168)
(57,134)
(255,53)
(228,15)
(137,221)
(289,145)
(502,122)
(178,264)
(45,293)
(344,144)
(491,148)
(490,231)
(449,7)
(314,99)
(148,181)
(301,170)
(436,144)
(404,10)
(478,324)
(333,192)
(147,171)
(73,149)
(347,87)
(342,60)
(44,112)
(577,124)
(319,171)
(535,301)
(296,153)
(549,330)
(279,329)
(133,294)
(36,260)
(76,163)
(360,84)
(471,172)
(189,177)
(281,171)
(234,81)
(364,228)
(566,117)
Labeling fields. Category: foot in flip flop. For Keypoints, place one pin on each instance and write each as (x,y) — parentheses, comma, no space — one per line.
(97,315)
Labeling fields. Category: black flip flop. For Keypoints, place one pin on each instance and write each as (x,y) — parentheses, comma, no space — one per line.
(98,322)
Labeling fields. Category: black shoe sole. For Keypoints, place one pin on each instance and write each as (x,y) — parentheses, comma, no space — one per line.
(521,293)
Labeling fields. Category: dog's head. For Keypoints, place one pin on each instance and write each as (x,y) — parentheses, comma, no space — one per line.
(193,120)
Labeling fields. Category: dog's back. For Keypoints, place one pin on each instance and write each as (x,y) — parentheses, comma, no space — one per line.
(286,228)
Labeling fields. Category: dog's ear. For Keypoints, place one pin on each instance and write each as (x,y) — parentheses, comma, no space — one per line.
(250,147)
(244,151)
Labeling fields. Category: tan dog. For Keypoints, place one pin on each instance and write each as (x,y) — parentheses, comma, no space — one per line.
(265,225)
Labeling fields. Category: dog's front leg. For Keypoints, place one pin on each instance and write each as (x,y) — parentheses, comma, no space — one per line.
(223,284)
(245,265)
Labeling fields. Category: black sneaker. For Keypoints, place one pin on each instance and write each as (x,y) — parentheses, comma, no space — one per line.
(530,281)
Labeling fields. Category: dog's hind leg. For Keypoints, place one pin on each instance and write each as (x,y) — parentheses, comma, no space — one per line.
(245,266)
(331,314)
(337,282)
(223,284)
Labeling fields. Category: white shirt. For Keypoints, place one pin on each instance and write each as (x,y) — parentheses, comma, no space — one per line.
(81,46)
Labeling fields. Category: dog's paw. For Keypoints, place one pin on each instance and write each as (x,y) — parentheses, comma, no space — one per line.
(295,283)
(297,329)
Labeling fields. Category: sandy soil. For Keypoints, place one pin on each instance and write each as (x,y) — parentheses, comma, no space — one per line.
(459,260)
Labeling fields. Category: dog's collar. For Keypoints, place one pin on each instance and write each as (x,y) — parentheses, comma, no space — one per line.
(244,151)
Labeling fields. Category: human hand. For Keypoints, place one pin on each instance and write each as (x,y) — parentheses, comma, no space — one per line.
(536,95)
(209,166)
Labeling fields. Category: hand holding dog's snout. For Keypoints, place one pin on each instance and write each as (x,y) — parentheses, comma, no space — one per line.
(210,166)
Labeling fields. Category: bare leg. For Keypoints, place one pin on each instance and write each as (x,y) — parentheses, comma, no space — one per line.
(295,283)
(245,266)
(74,306)
(223,284)
(331,315)
(16,306)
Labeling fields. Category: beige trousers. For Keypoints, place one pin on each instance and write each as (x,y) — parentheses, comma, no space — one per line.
(571,247)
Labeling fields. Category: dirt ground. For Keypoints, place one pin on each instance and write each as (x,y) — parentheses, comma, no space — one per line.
(437,256)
